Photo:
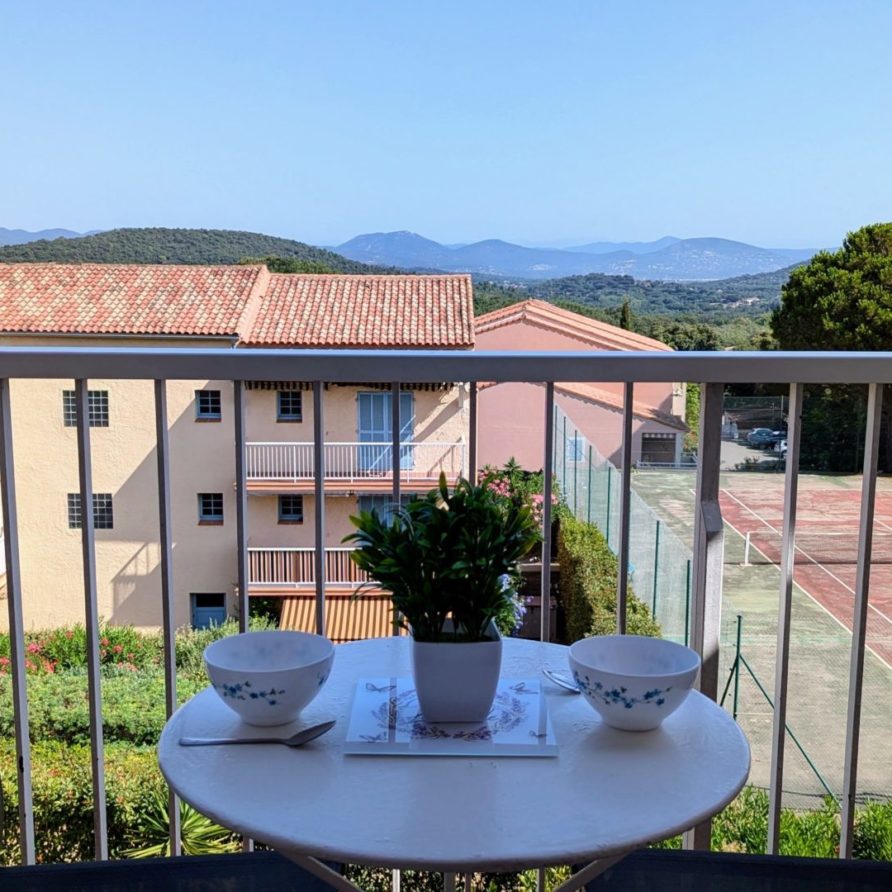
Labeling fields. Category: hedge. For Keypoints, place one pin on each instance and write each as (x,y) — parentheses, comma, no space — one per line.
(58,707)
(588,585)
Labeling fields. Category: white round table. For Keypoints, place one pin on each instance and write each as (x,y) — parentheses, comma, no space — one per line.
(607,792)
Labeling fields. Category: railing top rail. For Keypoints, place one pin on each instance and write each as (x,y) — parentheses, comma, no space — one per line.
(291,548)
(435,366)
(351,443)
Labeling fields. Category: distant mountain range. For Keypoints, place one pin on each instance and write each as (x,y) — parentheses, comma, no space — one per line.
(667,259)
(22,236)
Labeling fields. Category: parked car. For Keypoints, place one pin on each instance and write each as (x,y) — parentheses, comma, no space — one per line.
(760,436)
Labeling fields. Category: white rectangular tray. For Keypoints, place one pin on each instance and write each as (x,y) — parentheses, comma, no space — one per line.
(385,720)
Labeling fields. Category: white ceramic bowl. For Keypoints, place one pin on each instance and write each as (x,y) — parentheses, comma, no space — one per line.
(269,677)
(631,681)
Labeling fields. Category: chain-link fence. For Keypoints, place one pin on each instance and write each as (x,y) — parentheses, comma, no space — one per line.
(659,562)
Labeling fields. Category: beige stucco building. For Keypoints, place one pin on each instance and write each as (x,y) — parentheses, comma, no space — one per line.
(198,307)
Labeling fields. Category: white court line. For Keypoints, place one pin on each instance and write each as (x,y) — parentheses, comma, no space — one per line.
(882,523)
(807,593)
(802,551)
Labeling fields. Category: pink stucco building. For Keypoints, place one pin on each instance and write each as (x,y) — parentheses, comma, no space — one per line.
(513,415)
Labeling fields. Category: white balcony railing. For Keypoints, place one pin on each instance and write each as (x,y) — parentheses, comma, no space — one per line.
(713,370)
(295,567)
(350,462)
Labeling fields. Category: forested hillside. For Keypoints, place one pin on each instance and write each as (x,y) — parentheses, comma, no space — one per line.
(688,316)
(752,295)
(178,246)
(691,327)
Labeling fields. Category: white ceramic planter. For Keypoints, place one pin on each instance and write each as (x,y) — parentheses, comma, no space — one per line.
(457,682)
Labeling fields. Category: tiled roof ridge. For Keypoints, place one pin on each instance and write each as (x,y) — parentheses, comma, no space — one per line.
(254,301)
(581,328)
(614,401)
(344,311)
(248,303)
(593,393)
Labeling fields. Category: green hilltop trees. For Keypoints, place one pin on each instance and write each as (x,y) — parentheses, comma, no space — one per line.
(840,300)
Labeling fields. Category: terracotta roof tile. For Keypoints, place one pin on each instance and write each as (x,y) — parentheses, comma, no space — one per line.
(595,334)
(97,298)
(365,311)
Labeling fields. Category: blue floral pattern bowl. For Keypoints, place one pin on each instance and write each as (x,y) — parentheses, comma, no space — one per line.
(633,682)
(269,677)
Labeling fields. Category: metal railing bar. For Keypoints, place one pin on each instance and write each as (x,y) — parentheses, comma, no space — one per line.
(547,486)
(287,548)
(241,524)
(472,432)
(396,458)
(382,443)
(91,610)
(859,619)
(785,603)
(165,534)
(319,507)
(396,453)
(16,629)
(622,576)
(435,366)
(706,596)
(241,504)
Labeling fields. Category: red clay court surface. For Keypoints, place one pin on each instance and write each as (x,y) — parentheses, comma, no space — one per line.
(833,512)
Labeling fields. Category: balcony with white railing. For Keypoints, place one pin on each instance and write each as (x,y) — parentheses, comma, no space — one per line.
(294,569)
(353,466)
(315,466)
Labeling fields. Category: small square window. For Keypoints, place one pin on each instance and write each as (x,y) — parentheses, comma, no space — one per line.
(289,405)
(208,609)
(207,405)
(291,509)
(97,408)
(103,514)
(210,507)
(575,448)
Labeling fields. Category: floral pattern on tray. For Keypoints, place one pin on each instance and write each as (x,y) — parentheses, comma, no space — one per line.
(386,720)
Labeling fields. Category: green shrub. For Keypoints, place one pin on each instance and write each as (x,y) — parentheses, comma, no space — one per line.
(63,801)
(588,584)
(132,705)
(873,832)
(56,650)
(199,835)
(192,642)
(811,833)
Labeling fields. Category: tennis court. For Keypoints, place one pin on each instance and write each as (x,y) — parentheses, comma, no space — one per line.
(826,543)
(821,619)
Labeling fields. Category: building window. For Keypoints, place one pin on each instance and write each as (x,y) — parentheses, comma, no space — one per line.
(208,609)
(97,408)
(103,515)
(575,448)
(289,405)
(291,509)
(207,405)
(210,507)
(383,505)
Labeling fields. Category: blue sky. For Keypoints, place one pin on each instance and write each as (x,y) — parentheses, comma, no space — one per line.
(768,122)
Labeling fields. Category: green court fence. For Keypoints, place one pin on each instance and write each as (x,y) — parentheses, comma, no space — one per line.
(659,562)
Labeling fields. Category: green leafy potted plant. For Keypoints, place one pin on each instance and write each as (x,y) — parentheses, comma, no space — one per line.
(447,560)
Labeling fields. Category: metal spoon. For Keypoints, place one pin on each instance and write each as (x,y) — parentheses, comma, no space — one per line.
(298,739)
(561,680)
